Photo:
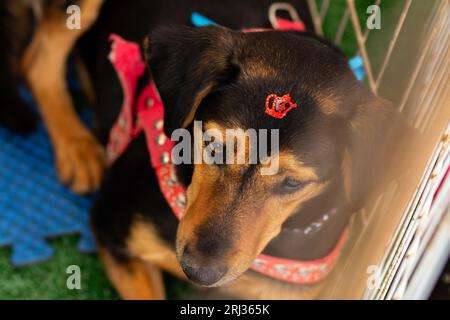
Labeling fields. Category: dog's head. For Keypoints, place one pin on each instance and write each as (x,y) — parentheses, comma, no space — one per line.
(326,144)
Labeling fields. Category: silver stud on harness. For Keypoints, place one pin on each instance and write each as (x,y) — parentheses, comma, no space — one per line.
(160,139)
(165,158)
(158,125)
(149,103)
(122,122)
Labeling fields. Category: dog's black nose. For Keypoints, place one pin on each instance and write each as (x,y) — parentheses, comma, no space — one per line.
(205,274)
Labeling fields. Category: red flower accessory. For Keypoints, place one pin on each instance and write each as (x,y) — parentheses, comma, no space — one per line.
(278,107)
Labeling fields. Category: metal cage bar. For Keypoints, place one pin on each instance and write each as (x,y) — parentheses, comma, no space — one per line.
(427,85)
(315,17)
(393,42)
(362,44)
(342,26)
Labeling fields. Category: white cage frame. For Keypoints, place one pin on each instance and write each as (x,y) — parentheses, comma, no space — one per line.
(407,270)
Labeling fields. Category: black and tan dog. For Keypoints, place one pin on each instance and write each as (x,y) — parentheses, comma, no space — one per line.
(332,147)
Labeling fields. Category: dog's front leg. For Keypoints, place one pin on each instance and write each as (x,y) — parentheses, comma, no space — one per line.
(133,279)
(79,157)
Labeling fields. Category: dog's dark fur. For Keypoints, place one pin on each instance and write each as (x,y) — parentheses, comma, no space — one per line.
(327,145)
(15,30)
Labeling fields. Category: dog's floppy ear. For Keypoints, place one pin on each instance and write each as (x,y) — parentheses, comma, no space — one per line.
(187,64)
(373,134)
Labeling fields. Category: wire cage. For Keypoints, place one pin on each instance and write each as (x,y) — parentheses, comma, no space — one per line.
(402,240)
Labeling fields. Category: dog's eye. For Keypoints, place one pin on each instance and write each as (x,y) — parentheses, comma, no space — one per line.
(288,185)
(291,183)
(214,148)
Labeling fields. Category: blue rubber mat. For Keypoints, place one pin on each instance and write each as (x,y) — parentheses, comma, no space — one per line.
(34,206)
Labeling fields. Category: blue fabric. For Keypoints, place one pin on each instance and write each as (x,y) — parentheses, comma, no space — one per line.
(357,65)
(34,206)
(199,20)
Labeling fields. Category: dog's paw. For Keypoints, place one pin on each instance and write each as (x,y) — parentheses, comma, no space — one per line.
(80,162)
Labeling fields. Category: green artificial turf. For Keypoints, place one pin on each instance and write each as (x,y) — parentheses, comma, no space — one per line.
(47,280)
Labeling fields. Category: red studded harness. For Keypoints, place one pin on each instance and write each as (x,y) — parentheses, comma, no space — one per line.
(145,114)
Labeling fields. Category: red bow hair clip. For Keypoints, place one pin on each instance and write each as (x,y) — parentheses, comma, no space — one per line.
(278,107)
